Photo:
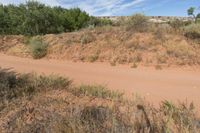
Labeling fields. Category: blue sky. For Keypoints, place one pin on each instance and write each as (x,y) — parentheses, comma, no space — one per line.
(123,7)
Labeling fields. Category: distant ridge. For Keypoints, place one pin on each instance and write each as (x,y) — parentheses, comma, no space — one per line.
(151,18)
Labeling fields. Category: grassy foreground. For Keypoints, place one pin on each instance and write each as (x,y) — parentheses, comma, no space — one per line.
(37,103)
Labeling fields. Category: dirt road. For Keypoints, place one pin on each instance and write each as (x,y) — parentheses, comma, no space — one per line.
(154,85)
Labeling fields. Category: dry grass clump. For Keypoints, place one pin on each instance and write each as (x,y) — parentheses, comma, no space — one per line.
(162,58)
(87,37)
(160,32)
(182,52)
(19,50)
(8,41)
(179,50)
(52,104)
(97,91)
(93,58)
(178,115)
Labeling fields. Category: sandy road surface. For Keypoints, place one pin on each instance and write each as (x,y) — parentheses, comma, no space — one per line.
(154,85)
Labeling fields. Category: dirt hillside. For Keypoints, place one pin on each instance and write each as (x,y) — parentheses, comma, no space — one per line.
(112,45)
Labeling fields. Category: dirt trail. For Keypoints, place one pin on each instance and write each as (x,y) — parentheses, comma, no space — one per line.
(154,85)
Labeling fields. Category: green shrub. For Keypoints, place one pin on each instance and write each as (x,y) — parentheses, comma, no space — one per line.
(103,22)
(178,24)
(38,48)
(192,31)
(99,21)
(137,22)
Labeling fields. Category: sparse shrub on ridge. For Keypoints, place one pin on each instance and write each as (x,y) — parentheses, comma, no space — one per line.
(164,28)
(160,31)
(121,21)
(177,24)
(138,23)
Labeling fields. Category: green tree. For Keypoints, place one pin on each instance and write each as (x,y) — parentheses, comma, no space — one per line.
(75,19)
(2,18)
(191,12)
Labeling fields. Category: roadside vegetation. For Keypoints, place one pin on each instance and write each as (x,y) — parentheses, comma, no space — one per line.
(37,103)
(38,48)
(135,40)
(34,18)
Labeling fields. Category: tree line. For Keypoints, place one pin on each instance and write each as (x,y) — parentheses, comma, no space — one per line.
(34,18)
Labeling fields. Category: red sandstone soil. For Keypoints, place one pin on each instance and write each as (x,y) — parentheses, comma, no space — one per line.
(175,84)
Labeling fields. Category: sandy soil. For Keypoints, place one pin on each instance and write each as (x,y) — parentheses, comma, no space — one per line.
(175,84)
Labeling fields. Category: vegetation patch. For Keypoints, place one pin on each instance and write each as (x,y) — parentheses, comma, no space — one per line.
(93,58)
(138,23)
(99,22)
(38,48)
(34,103)
(87,38)
(134,65)
(97,91)
(192,31)
(13,85)
(181,50)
